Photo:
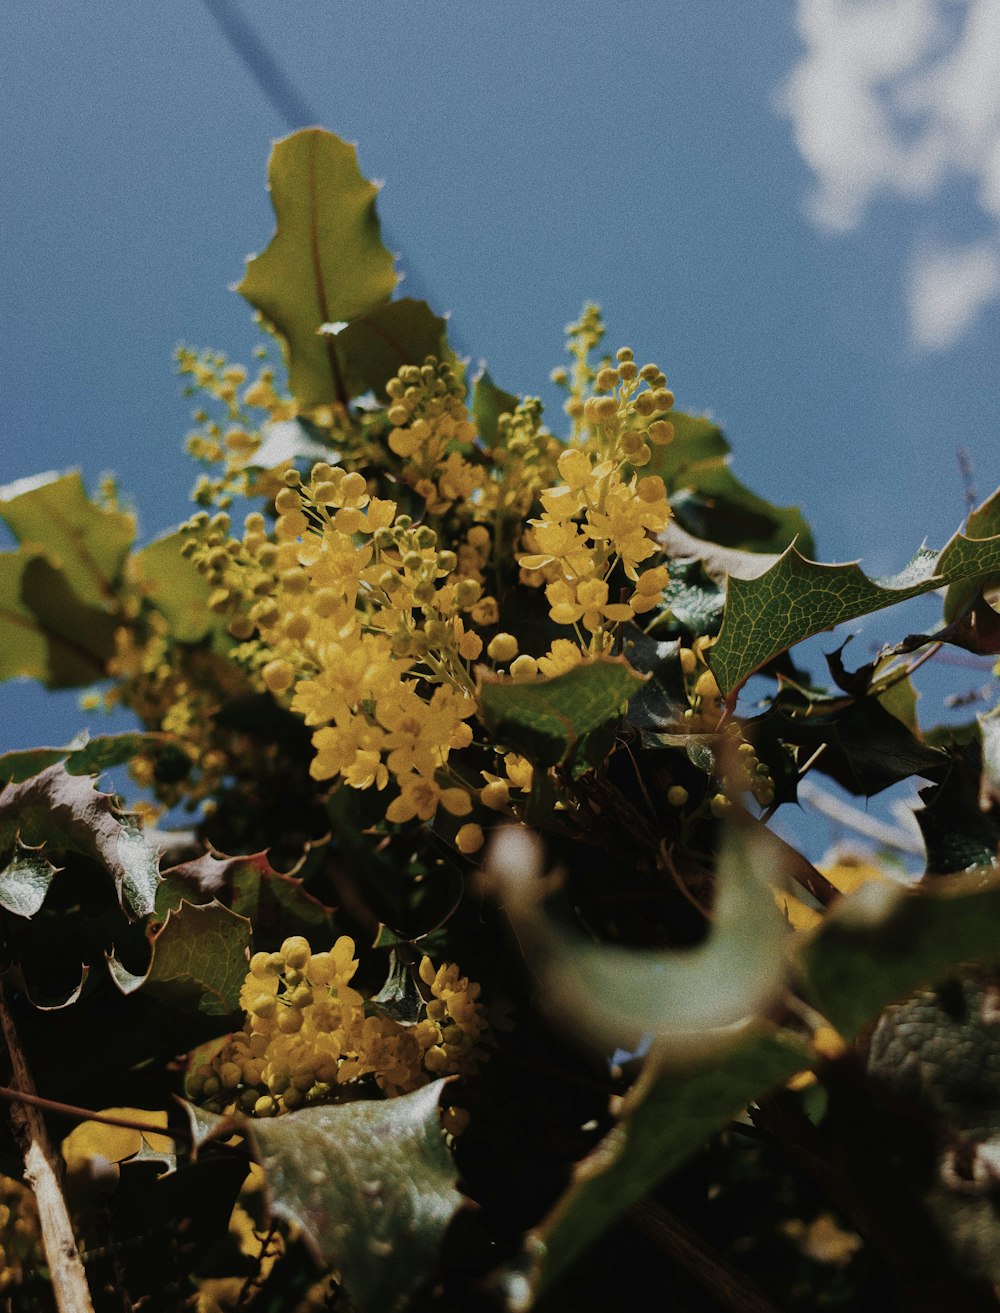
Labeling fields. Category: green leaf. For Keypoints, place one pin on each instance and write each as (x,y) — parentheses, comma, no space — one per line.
(199,961)
(61,810)
(275,904)
(25,881)
(958,832)
(86,542)
(983,522)
(881,944)
(708,499)
(325,263)
(46,632)
(373,347)
(371,1184)
(797,598)
(176,588)
(667,1117)
(551,719)
(84,756)
(488,403)
(687,1001)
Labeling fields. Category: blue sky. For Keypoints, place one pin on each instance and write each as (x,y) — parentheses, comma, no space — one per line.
(794,208)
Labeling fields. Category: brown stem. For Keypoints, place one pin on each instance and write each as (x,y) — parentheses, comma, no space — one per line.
(41,1171)
(732,1291)
(85,1114)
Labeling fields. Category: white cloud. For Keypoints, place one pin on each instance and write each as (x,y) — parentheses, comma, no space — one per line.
(947,287)
(902,98)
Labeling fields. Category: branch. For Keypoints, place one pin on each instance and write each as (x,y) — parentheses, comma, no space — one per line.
(41,1171)
(853,818)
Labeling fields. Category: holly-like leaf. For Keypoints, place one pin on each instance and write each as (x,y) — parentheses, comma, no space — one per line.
(797,598)
(488,403)
(199,961)
(550,720)
(324,264)
(371,1184)
(687,1001)
(61,810)
(372,348)
(84,756)
(25,880)
(666,1118)
(983,522)
(958,832)
(883,943)
(276,904)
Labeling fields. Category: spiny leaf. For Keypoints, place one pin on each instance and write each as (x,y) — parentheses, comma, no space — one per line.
(957,832)
(86,542)
(250,886)
(667,1117)
(62,810)
(84,756)
(199,960)
(881,944)
(371,1184)
(325,263)
(25,881)
(797,598)
(983,522)
(373,347)
(550,720)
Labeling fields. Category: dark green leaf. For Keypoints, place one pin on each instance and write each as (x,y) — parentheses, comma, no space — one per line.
(958,833)
(61,810)
(488,403)
(324,264)
(550,720)
(710,502)
(797,598)
(881,944)
(667,1117)
(372,348)
(199,961)
(983,522)
(84,756)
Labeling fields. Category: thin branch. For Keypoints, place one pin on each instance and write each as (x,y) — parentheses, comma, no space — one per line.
(87,1114)
(732,1290)
(41,1171)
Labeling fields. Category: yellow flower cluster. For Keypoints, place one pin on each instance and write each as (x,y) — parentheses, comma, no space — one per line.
(597,526)
(309,1031)
(20,1236)
(233,442)
(433,434)
(174,688)
(367,628)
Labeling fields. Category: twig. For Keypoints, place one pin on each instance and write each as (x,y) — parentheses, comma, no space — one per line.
(709,1269)
(41,1171)
(87,1114)
(854,819)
